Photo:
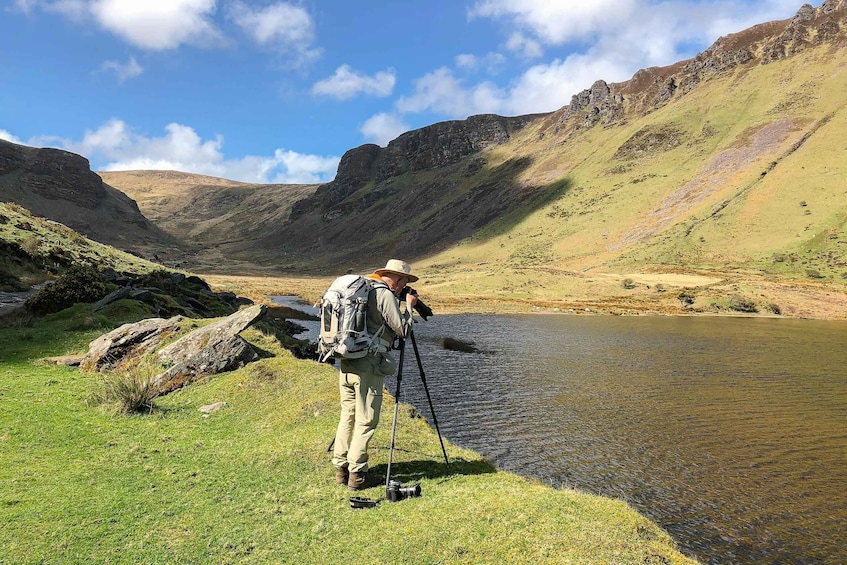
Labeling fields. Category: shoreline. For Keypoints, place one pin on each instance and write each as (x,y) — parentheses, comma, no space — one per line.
(602,295)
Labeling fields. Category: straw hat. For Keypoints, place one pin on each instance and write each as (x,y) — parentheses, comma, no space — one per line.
(398,267)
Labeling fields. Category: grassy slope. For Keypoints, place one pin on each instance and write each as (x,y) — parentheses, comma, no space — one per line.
(252,483)
(39,237)
(630,217)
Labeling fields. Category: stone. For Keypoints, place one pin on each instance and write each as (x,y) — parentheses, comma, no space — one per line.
(213,349)
(67,360)
(454,344)
(111,350)
(122,292)
(211,408)
(191,344)
(223,353)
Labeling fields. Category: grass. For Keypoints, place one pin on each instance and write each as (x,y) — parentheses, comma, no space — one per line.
(252,483)
(50,244)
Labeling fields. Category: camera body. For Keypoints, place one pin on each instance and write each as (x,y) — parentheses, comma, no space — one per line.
(422,309)
(395,491)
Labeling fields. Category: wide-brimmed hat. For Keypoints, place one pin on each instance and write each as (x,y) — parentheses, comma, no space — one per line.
(398,267)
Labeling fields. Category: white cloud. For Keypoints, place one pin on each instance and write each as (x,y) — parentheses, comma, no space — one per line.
(525,46)
(124,71)
(9,137)
(115,147)
(555,22)
(158,24)
(382,128)
(440,91)
(346,83)
(282,26)
(490,62)
(149,24)
(303,169)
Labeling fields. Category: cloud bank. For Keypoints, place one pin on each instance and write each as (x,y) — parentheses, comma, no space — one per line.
(115,147)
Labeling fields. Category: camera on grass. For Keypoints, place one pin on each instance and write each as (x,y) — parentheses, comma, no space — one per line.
(396,492)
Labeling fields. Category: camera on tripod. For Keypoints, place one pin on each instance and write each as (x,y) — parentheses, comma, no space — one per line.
(395,491)
(422,309)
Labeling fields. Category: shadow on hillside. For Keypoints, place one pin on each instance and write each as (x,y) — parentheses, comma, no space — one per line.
(413,471)
(411,215)
(494,202)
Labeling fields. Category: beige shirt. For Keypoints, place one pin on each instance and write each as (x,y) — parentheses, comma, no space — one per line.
(384,307)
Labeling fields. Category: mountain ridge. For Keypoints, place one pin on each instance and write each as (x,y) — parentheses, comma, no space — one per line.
(724,163)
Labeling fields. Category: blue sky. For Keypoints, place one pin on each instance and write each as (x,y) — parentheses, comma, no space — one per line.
(271,91)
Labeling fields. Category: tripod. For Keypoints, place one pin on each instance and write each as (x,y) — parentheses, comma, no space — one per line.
(397,404)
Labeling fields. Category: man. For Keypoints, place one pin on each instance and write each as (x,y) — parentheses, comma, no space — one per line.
(361,380)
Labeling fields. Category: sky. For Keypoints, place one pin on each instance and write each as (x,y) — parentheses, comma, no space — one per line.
(267,91)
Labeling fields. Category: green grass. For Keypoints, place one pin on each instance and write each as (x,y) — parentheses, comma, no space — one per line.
(252,482)
(50,244)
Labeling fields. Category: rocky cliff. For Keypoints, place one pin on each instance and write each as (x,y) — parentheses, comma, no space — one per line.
(431,147)
(650,89)
(60,185)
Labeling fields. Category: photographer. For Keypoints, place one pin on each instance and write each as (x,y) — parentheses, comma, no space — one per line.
(361,380)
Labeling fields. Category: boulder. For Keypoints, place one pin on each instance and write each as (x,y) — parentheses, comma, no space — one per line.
(189,345)
(109,351)
(122,292)
(222,353)
(207,351)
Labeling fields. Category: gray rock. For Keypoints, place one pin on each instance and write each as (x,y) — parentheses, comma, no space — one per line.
(207,351)
(130,340)
(188,346)
(122,292)
(224,353)
(210,408)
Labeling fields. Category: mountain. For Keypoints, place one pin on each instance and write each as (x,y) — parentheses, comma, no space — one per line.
(723,172)
(213,217)
(730,159)
(60,185)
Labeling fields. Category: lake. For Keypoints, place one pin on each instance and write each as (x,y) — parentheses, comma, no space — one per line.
(731,433)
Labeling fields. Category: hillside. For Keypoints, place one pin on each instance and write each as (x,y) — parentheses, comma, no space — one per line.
(60,185)
(718,178)
(725,159)
(210,214)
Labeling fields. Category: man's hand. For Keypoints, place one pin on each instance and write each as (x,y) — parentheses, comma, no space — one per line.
(411,300)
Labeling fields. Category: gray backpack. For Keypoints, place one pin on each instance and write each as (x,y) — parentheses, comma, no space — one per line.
(344,317)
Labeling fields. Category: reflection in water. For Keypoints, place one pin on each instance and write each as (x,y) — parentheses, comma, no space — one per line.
(730,433)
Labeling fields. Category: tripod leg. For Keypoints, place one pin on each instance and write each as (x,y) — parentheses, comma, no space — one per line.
(428,398)
(396,408)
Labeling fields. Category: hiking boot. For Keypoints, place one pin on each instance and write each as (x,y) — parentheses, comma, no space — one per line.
(361,481)
(342,475)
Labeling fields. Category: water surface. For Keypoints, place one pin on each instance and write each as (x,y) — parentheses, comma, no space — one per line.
(731,433)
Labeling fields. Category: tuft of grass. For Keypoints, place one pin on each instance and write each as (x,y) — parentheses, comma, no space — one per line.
(128,391)
(742,304)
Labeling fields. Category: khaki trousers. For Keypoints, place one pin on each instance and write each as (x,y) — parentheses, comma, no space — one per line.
(360,384)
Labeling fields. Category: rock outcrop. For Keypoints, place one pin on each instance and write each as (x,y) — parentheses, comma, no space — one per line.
(205,351)
(652,88)
(128,343)
(61,186)
(431,147)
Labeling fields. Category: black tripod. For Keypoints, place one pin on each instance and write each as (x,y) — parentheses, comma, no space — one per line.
(397,404)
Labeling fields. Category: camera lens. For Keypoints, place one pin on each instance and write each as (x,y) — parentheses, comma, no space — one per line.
(410,491)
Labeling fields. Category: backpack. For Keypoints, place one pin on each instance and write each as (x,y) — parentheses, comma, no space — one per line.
(344,313)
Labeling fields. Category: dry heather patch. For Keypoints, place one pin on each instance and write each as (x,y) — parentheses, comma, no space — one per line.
(715,177)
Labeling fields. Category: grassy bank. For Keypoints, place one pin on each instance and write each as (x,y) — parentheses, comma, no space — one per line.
(657,291)
(251,483)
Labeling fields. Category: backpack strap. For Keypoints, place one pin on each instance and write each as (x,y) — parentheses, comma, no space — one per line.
(377,343)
